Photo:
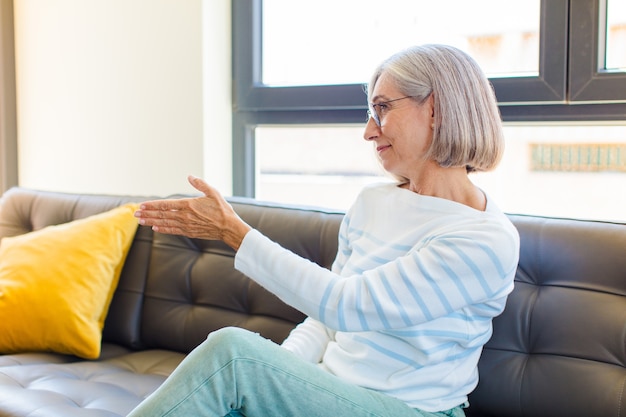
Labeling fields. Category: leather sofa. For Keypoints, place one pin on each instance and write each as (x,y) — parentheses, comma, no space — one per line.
(559,348)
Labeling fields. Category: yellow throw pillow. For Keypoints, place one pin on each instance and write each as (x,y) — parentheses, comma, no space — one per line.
(56,283)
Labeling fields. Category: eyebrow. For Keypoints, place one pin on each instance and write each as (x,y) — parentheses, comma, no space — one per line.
(379,97)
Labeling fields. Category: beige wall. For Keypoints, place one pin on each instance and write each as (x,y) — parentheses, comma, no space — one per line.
(111,94)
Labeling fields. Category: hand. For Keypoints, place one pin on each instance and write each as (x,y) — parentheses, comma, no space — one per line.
(206,217)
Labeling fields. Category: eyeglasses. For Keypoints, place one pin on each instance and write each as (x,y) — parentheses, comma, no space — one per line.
(376,111)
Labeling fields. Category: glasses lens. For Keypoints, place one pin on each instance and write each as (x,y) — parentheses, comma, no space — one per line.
(371,113)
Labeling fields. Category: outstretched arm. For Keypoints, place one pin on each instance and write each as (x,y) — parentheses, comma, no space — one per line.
(206,217)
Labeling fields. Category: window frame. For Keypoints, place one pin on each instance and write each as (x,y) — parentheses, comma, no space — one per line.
(568,87)
(589,81)
(8,111)
(252,95)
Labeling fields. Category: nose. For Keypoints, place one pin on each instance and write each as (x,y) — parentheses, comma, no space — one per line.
(372,130)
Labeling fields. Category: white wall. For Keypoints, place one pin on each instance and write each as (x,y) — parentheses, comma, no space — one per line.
(110,94)
(218,140)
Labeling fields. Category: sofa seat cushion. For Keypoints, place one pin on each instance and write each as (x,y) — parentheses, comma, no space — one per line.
(104,388)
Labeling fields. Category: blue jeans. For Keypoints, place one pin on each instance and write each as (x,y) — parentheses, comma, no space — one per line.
(239,373)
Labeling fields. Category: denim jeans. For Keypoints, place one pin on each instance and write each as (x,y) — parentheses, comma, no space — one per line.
(239,373)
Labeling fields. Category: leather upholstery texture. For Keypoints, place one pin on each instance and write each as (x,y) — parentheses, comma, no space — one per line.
(559,348)
(172,293)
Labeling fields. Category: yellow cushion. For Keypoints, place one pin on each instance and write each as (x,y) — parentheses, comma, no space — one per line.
(56,283)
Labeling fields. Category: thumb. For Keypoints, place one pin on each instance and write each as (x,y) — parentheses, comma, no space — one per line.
(200,185)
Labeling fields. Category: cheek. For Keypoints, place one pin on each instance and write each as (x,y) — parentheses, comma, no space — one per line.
(417,143)
(411,138)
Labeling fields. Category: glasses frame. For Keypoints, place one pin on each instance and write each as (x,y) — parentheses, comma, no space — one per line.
(372,112)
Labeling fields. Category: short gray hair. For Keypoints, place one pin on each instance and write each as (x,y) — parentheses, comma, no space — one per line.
(468,128)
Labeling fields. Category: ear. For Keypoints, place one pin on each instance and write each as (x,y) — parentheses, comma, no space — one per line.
(430,102)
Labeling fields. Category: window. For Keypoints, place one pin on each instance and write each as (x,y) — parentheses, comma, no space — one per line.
(294,42)
(548,169)
(314,165)
(562,170)
(267,93)
(564,92)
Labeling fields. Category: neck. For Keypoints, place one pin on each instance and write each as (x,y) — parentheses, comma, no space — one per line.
(448,183)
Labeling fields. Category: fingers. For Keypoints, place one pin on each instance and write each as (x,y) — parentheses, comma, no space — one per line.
(154,215)
(164,205)
(151,213)
(167,221)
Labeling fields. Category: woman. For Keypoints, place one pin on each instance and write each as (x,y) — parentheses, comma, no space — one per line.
(423,265)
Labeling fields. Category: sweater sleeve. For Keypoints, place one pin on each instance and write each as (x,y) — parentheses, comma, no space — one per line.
(435,278)
(308,340)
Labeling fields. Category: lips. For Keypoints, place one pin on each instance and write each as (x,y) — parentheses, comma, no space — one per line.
(381,148)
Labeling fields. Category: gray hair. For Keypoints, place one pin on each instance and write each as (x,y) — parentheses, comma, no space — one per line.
(467,126)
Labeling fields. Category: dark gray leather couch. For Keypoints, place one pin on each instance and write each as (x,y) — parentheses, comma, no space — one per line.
(559,349)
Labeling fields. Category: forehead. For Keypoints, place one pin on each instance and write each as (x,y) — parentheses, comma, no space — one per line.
(384,89)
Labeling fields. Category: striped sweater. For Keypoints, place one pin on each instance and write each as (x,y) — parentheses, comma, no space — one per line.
(410,298)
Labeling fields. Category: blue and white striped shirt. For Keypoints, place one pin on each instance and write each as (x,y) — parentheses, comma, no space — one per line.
(409,301)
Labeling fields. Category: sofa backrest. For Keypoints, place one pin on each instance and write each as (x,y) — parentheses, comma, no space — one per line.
(559,348)
(192,287)
(173,291)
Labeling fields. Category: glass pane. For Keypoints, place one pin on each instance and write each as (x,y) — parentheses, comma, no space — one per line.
(576,171)
(320,166)
(616,35)
(340,42)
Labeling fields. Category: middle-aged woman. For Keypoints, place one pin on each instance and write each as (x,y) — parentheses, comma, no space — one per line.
(397,326)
